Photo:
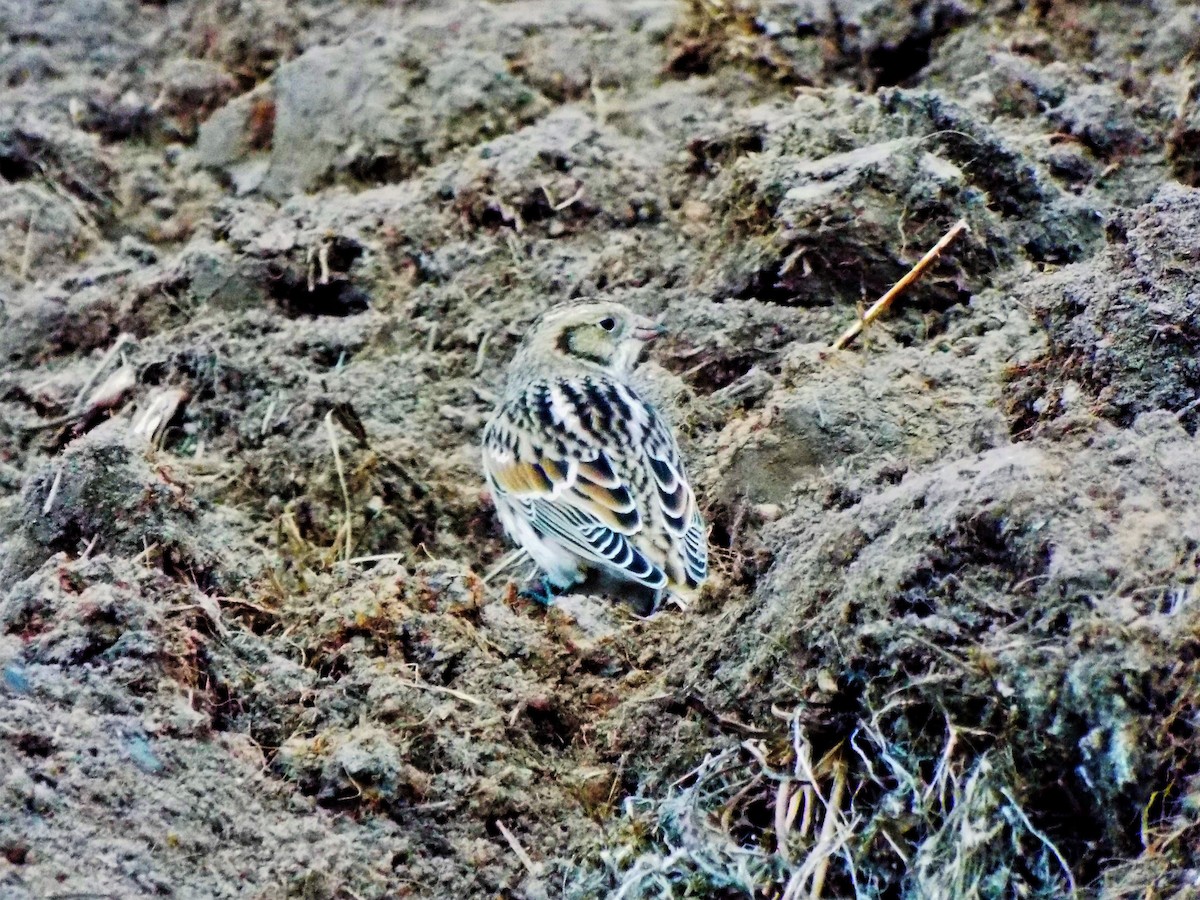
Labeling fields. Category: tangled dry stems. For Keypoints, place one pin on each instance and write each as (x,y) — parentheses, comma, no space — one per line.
(745,824)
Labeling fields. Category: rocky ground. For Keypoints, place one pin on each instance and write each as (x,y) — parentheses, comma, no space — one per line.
(263,264)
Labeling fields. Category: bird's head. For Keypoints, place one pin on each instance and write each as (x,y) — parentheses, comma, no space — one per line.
(605,335)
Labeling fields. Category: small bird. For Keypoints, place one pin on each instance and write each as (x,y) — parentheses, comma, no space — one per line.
(585,473)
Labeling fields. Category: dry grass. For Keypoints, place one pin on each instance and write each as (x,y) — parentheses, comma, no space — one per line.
(782,824)
(715,33)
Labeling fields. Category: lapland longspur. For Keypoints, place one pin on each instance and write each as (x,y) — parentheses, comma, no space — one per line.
(585,473)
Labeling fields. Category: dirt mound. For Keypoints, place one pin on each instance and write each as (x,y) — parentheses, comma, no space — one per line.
(985,632)
(1122,329)
(265,266)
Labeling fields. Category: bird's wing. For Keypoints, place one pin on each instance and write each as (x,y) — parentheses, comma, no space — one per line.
(557,453)
(676,501)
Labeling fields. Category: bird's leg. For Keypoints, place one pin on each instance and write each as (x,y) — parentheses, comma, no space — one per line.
(540,590)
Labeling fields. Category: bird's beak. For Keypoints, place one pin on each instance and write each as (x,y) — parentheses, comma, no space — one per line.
(647,329)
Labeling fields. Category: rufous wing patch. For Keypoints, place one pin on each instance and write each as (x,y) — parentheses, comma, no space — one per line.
(616,498)
(522,478)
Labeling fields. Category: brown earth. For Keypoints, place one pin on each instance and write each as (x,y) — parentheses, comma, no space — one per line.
(264,265)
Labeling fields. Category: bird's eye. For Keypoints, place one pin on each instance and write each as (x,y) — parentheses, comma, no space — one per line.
(608,323)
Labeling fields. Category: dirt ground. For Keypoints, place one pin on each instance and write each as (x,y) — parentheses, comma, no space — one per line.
(262,266)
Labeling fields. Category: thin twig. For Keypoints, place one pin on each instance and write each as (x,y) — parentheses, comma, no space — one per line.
(438,689)
(832,814)
(807,793)
(341,474)
(50,498)
(1046,842)
(121,341)
(87,551)
(782,825)
(266,419)
(323,261)
(881,305)
(507,561)
(147,549)
(375,557)
(518,850)
(574,198)
(238,601)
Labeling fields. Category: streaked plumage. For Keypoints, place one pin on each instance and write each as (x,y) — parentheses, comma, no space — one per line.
(585,473)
